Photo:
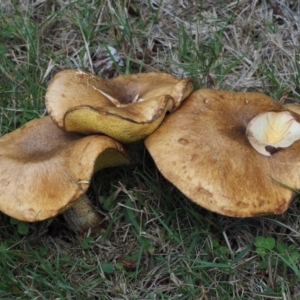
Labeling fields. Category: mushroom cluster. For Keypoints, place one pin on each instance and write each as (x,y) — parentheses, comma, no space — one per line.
(47,165)
(232,153)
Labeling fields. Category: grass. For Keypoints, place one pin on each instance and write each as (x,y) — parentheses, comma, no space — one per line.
(157,244)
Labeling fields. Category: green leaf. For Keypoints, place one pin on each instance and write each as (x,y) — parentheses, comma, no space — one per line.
(146,243)
(263,265)
(287,252)
(294,256)
(281,248)
(291,248)
(262,242)
(109,202)
(13,221)
(120,267)
(261,251)
(107,268)
(222,250)
(215,242)
(85,243)
(23,228)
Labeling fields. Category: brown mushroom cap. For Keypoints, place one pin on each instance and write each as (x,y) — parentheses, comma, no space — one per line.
(127,108)
(203,150)
(45,170)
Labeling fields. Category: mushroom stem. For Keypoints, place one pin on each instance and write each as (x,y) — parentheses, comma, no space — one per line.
(83,215)
(270,131)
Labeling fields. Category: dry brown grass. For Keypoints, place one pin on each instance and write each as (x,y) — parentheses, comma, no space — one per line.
(158,242)
(264,35)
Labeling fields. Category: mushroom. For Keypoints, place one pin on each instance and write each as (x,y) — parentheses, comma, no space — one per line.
(45,171)
(202,148)
(126,108)
(270,131)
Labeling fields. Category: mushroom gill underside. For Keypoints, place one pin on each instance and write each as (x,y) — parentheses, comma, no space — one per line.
(126,108)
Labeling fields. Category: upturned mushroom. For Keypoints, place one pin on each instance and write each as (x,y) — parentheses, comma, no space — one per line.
(45,171)
(203,149)
(126,108)
(271,131)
